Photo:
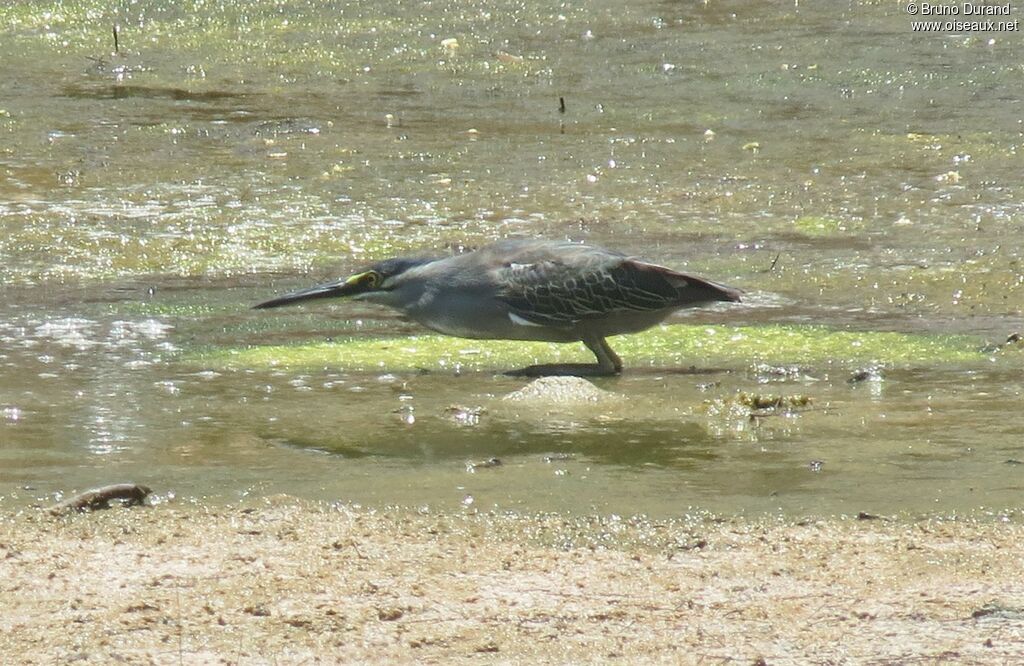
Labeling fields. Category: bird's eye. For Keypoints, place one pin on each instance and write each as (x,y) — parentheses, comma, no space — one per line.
(373,279)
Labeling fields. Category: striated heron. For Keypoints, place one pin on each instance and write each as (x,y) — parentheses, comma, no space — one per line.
(528,290)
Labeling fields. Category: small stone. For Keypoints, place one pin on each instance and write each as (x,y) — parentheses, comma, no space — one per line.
(389,614)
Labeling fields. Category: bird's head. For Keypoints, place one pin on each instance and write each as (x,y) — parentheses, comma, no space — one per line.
(370,284)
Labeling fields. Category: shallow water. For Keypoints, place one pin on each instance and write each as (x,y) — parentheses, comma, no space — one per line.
(841,169)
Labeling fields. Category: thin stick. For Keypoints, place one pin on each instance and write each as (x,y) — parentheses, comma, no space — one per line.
(117,47)
(181,651)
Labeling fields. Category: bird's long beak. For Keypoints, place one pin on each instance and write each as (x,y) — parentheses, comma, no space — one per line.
(352,286)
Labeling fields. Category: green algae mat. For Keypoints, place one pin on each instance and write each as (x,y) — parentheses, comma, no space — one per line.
(666,346)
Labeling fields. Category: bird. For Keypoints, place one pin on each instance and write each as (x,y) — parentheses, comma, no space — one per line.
(528,289)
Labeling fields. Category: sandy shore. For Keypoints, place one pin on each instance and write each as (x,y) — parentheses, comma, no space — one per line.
(280,581)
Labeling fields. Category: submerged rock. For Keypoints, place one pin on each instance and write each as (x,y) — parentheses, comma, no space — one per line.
(560,390)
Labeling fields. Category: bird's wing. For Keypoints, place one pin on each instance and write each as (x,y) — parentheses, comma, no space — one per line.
(554,293)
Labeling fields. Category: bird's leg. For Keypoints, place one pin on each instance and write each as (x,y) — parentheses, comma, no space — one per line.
(607,359)
(608,364)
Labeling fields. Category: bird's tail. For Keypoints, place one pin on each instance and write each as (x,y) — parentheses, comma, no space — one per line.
(693,289)
(714,291)
(326,290)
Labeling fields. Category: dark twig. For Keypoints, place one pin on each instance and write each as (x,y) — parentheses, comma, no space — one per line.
(100,498)
(181,639)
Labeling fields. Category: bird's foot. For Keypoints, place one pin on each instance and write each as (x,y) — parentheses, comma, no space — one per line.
(564,370)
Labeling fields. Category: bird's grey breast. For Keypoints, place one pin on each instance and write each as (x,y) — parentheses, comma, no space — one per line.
(454,297)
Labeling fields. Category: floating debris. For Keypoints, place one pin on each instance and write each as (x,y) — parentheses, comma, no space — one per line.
(287,126)
(472,467)
(406,414)
(465,416)
(773,402)
(558,457)
(1013,342)
(765,373)
(870,374)
(737,413)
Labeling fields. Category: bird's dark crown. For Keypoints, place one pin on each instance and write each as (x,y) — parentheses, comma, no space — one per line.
(398,265)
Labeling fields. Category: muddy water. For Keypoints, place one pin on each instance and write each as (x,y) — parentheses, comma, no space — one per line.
(840,168)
